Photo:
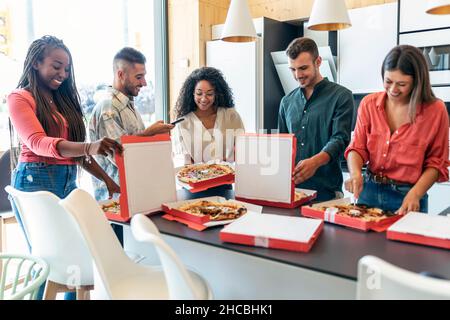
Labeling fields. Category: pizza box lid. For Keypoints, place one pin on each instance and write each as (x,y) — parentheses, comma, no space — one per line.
(422,228)
(311,195)
(208,183)
(146,175)
(263,168)
(273,231)
(313,211)
(201,222)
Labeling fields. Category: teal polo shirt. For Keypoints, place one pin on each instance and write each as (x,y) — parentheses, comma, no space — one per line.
(320,123)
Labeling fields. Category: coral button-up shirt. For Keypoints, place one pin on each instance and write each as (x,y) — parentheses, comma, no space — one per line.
(37,146)
(408,151)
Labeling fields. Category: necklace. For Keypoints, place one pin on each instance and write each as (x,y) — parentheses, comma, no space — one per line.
(50,100)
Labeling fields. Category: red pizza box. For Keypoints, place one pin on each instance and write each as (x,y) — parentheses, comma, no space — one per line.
(208,183)
(273,231)
(422,228)
(263,170)
(201,222)
(330,215)
(146,173)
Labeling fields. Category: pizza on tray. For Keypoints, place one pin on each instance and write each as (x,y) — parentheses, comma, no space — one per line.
(113,207)
(361,211)
(299,195)
(201,172)
(216,210)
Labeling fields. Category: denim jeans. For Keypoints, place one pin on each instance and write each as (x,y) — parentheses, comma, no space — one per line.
(387,196)
(39,176)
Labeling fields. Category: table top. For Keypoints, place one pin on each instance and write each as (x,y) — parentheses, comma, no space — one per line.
(336,251)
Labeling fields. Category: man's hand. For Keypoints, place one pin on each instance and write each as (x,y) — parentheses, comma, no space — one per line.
(355,184)
(158,127)
(304,170)
(112,187)
(411,202)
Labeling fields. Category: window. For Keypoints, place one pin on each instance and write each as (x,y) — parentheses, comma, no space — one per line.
(93,31)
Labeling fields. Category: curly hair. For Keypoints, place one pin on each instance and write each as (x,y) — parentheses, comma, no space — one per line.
(223,94)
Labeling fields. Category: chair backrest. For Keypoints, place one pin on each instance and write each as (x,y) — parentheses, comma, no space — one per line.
(179,282)
(378,279)
(5,179)
(54,236)
(21,276)
(111,262)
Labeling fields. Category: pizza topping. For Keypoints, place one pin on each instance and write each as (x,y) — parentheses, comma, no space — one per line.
(215,210)
(299,195)
(361,211)
(200,172)
(113,207)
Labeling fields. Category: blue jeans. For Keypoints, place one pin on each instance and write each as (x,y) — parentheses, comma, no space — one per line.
(39,176)
(387,196)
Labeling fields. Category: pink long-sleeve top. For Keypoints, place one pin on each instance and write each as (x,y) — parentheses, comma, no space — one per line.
(37,146)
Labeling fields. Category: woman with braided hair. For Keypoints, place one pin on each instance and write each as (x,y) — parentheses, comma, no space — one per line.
(46,114)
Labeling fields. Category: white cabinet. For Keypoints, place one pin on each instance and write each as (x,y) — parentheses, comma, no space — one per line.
(362,47)
(414,18)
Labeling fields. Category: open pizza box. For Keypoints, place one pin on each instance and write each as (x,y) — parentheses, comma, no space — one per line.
(331,215)
(207,183)
(273,231)
(146,174)
(200,223)
(422,228)
(263,171)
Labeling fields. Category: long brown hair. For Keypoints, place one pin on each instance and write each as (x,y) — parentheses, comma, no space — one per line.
(410,61)
(66,97)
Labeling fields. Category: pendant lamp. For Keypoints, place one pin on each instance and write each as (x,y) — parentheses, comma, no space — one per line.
(329,15)
(239,25)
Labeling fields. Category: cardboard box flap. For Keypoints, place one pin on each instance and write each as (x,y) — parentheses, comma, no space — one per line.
(148,173)
(272,226)
(264,166)
(423,224)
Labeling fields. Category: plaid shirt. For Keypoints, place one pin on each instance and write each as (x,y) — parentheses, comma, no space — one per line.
(113,116)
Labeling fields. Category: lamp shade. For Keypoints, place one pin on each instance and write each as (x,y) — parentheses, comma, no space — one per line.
(239,25)
(329,15)
(438,7)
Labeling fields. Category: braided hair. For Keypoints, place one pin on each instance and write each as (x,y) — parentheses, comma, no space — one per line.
(223,94)
(66,97)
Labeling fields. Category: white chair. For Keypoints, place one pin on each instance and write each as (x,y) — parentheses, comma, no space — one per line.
(54,236)
(378,279)
(181,284)
(118,275)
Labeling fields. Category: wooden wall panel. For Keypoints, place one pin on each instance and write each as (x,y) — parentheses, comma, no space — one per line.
(190,24)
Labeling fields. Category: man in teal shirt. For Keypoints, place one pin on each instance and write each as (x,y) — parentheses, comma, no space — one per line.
(319,113)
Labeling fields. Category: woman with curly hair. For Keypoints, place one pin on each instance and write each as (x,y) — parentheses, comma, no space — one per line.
(210,119)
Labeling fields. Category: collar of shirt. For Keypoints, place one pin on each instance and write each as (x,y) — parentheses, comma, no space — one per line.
(317,88)
(381,100)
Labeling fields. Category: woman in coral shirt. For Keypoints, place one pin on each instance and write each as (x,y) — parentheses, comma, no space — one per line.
(45,112)
(402,136)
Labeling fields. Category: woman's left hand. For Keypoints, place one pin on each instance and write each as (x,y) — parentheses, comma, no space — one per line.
(112,188)
(411,202)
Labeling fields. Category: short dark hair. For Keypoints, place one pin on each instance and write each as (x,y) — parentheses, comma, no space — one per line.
(300,45)
(130,55)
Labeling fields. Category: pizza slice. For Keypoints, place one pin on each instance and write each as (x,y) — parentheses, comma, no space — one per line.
(113,207)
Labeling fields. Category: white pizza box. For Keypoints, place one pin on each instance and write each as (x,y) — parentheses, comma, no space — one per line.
(273,231)
(331,216)
(146,173)
(201,223)
(422,228)
(263,170)
(209,183)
